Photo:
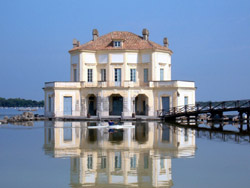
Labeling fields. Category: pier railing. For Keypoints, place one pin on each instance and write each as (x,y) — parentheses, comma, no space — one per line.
(206,107)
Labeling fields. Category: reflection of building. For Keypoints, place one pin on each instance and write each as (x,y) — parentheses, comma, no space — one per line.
(119,73)
(139,156)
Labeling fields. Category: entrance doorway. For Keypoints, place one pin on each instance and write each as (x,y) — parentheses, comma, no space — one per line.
(165,104)
(92,102)
(141,105)
(115,105)
(67,103)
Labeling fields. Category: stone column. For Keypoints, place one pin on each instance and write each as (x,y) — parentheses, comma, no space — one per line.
(127,107)
(150,110)
(103,106)
(99,107)
(150,106)
(83,107)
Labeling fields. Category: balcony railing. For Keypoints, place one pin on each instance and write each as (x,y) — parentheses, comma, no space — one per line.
(63,84)
(125,84)
(172,83)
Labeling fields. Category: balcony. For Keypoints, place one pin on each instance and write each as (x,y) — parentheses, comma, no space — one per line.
(125,84)
(62,84)
(172,83)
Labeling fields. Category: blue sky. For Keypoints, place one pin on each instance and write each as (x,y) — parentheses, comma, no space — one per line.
(210,40)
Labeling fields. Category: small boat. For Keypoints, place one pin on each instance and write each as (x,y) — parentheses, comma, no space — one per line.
(98,126)
(120,126)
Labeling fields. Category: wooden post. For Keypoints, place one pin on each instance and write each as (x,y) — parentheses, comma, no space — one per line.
(241,127)
(237,104)
(197,107)
(210,105)
(223,105)
(240,116)
(221,126)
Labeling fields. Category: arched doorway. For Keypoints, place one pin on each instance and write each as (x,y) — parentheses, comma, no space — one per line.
(141,105)
(92,103)
(115,104)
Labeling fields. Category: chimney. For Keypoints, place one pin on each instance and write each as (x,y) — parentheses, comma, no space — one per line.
(145,34)
(76,43)
(95,34)
(165,42)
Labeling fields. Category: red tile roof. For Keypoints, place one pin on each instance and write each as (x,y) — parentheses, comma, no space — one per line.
(130,40)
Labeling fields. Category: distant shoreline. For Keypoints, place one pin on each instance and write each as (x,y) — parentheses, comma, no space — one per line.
(20,103)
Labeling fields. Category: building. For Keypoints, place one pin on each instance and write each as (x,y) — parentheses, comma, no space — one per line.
(135,157)
(119,73)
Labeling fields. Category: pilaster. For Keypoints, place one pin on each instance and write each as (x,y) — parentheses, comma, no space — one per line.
(102,106)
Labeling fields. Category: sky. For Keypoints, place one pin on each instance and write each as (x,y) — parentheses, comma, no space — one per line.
(210,40)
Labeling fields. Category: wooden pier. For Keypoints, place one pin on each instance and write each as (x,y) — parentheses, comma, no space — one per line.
(214,109)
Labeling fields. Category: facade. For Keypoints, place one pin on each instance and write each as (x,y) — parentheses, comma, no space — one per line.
(135,157)
(119,73)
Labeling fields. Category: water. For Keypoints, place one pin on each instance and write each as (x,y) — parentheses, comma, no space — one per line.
(14,111)
(68,154)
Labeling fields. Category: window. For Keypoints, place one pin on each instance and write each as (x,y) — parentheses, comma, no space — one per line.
(133,162)
(103,75)
(117,43)
(118,160)
(90,162)
(162,163)
(133,75)
(145,75)
(75,75)
(117,77)
(161,74)
(103,162)
(50,104)
(186,100)
(90,75)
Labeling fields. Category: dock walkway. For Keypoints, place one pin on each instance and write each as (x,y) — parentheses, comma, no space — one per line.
(96,118)
(212,108)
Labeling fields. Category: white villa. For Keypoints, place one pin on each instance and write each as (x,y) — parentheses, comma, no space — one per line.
(119,73)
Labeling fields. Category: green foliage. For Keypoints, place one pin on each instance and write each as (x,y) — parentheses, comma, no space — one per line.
(17,102)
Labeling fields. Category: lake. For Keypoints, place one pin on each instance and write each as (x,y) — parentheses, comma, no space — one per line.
(150,154)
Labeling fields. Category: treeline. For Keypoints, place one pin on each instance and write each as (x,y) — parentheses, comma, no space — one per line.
(17,102)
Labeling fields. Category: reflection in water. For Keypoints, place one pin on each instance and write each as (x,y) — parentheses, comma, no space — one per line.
(141,132)
(139,156)
(92,135)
